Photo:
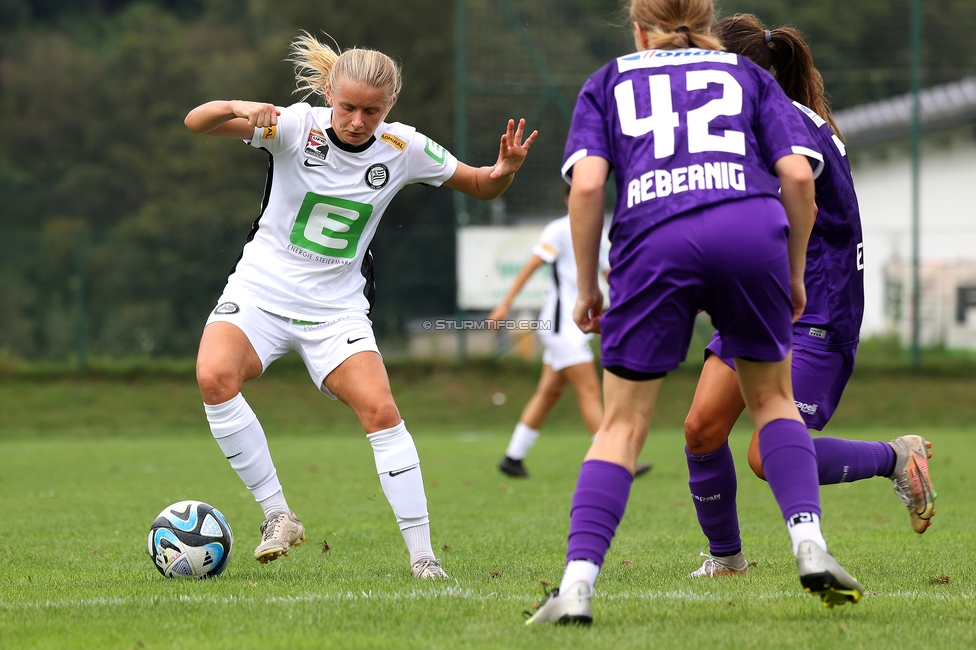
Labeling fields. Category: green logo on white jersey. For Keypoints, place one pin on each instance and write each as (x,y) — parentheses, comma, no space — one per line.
(330,226)
(435,151)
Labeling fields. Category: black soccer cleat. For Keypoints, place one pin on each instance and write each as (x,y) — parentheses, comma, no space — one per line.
(642,468)
(513,468)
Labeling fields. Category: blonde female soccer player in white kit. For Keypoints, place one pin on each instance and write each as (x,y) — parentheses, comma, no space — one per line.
(304,279)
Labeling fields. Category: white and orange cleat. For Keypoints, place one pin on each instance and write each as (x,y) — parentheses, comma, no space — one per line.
(911,479)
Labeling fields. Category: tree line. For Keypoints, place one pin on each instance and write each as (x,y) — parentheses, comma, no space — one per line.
(102,184)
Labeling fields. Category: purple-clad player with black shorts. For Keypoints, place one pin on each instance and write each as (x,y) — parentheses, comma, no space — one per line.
(824,339)
(714,173)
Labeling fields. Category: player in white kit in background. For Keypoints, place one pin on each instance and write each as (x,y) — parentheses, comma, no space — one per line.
(567,355)
(304,281)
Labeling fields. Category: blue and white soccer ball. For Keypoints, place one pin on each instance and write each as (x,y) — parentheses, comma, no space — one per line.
(190,539)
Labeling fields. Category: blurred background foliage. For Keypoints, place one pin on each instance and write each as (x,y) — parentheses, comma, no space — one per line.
(111,207)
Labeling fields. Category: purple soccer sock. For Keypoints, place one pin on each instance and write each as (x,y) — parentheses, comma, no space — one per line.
(790,464)
(844,461)
(712,480)
(598,505)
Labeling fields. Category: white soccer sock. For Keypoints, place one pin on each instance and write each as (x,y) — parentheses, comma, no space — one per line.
(522,440)
(241,438)
(418,543)
(803,527)
(274,504)
(398,466)
(578,570)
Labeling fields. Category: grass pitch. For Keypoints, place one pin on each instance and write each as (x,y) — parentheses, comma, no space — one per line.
(80,486)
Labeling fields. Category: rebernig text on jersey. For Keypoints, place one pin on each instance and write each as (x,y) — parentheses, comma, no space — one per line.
(659,183)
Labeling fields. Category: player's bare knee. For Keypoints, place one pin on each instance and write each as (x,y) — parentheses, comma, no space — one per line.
(379,415)
(699,438)
(550,395)
(217,384)
(588,393)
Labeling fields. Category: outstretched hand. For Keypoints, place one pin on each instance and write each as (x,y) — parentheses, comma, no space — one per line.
(512,151)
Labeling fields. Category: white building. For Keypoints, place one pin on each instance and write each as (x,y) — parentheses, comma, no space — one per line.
(878,143)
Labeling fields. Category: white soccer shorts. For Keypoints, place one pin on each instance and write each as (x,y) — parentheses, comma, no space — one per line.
(322,346)
(565,349)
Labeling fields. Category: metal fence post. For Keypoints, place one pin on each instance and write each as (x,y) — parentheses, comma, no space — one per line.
(79,282)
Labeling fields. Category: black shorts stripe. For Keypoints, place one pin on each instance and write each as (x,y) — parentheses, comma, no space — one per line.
(633,375)
(558,311)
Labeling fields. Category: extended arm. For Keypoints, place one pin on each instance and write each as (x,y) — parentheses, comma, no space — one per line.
(501,311)
(231,119)
(797,194)
(586,219)
(486,183)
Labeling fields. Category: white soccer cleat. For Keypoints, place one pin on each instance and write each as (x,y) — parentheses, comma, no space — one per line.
(428,568)
(279,532)
(719,567)
(823,576)
(573,607)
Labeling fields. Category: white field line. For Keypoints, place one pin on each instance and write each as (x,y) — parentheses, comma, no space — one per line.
(450,593)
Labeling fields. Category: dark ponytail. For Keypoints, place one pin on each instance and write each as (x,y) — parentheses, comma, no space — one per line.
(784,53)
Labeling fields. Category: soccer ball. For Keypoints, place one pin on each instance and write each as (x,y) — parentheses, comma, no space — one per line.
(190,539)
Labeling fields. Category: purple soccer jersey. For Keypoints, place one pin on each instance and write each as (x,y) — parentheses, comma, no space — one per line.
(683,130)
(692,136)
(827,333)
(834,275)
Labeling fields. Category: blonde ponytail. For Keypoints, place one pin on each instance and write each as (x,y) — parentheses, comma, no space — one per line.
(675,24)
(318,66)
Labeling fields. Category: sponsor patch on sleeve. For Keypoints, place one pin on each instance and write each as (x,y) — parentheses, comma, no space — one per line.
(269,133)
(395,141)
(435,151)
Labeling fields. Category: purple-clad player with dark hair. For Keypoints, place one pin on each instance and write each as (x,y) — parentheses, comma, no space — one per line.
(715,172)
(824,339)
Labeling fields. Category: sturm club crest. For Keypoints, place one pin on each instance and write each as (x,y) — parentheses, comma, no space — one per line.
(227,308)
(377,176)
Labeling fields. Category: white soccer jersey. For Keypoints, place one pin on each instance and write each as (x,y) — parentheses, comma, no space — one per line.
(555,247)
(306,257)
